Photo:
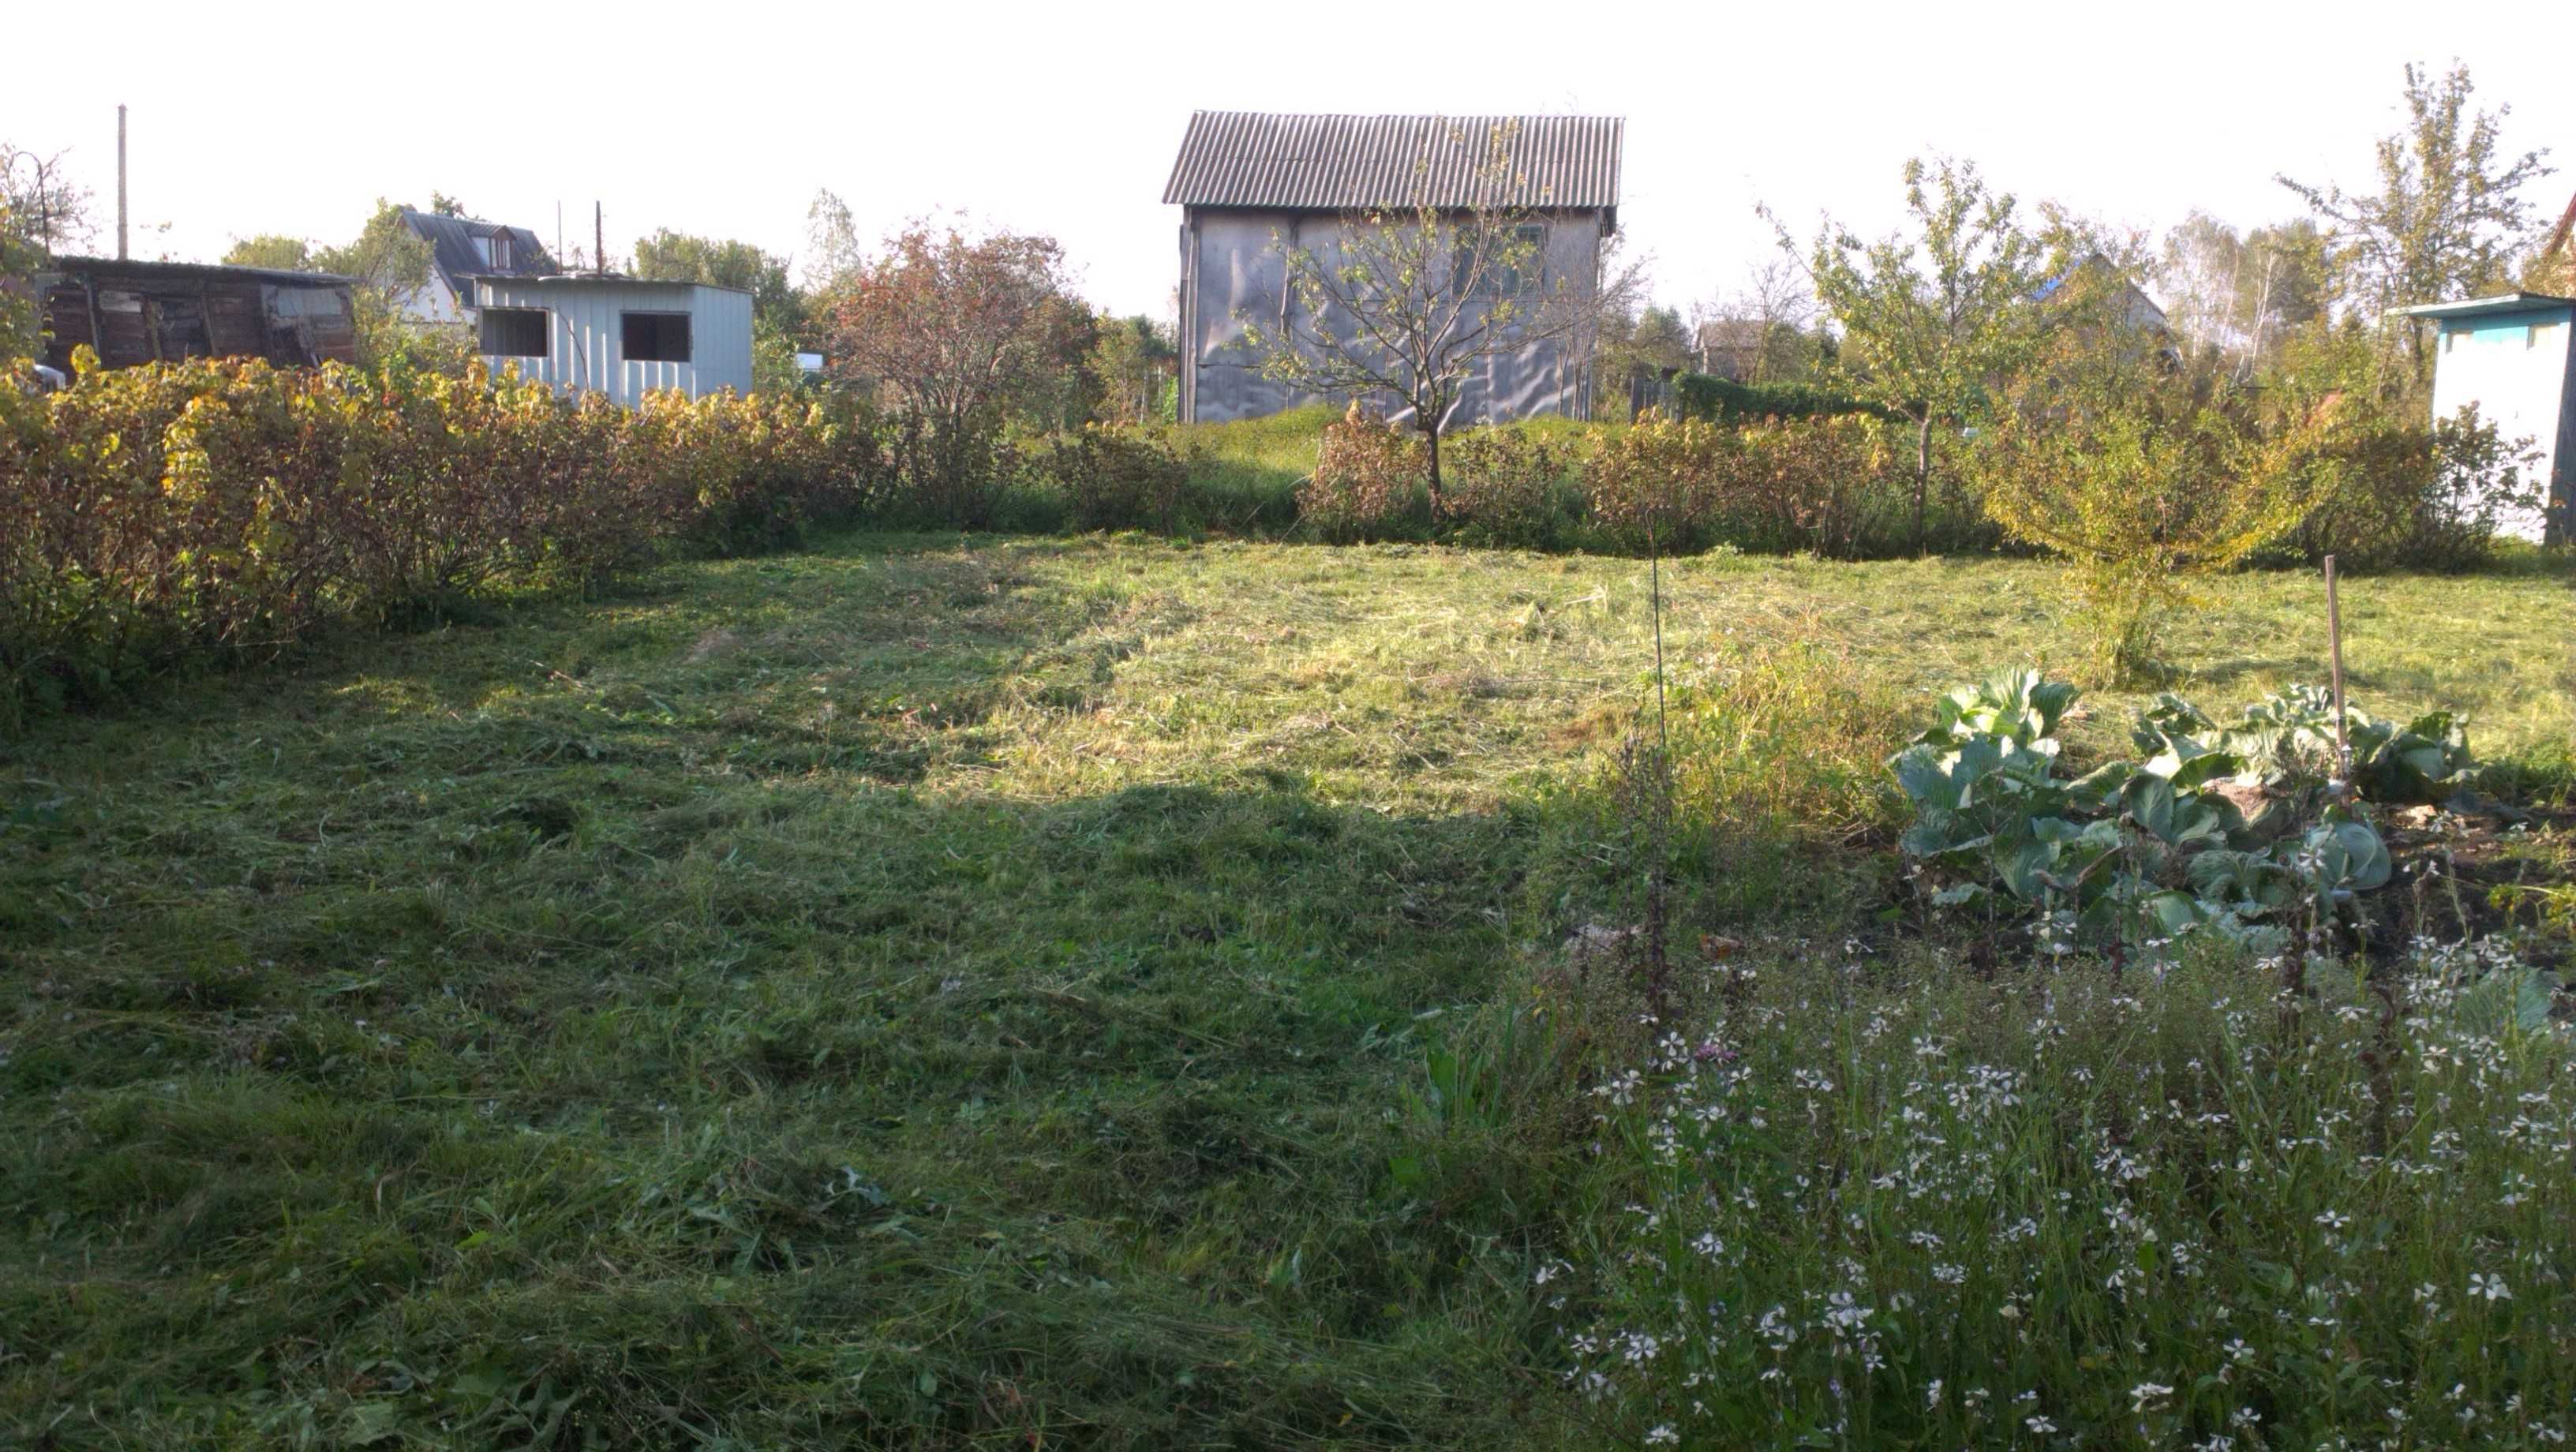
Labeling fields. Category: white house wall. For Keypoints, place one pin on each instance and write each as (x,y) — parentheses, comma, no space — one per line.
(586,346)
(1234,277)
(2514,368)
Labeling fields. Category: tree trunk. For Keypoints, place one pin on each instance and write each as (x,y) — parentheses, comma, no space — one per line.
(1431,438)
(1922,474)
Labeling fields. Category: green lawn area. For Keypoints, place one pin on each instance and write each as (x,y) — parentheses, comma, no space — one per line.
(906,993)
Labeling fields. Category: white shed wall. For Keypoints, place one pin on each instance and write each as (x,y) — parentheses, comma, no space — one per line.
(585,348)
(2514,368)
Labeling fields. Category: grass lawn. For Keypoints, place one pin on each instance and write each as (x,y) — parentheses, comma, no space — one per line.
(898,994)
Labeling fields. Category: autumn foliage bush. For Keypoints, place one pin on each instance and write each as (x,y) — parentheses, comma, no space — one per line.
(1369,478)
(1506,487)
(227,505)
(1119,478)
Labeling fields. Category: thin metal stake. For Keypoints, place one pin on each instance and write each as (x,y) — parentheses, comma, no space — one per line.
(2334,644)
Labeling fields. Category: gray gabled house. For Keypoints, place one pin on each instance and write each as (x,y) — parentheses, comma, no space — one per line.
(1248,181)
(462,249)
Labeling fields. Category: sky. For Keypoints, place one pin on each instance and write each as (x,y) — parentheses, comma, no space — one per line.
(1064,119)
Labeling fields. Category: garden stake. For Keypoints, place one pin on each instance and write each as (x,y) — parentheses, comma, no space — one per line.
(2334,646)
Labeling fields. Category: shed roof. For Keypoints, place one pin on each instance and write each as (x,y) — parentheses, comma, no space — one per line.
(2504,302)
(1332,163)
(193,272)
(600,279)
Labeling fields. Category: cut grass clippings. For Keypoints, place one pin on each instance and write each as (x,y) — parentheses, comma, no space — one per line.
(914,992)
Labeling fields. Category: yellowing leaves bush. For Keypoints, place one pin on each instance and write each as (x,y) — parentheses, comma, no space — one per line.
(148,513)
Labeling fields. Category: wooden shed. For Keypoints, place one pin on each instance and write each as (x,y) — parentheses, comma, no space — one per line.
(142,312)
(1251,185)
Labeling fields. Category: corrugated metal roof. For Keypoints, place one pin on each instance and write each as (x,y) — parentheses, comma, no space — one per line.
(1332,163)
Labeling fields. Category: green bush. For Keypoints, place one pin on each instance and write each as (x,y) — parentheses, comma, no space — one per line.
(1723,400)
(1507,486)
(1115,477)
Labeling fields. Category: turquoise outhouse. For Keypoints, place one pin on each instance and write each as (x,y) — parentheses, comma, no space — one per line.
(2510,356)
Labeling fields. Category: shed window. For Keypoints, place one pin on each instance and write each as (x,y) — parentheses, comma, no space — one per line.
(517,332)
(656,337)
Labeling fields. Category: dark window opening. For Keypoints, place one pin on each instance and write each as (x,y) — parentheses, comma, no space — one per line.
(656,337)
(517,332)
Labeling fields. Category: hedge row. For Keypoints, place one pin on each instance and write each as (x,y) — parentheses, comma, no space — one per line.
(1725,401)
(228,506)
(1834,485)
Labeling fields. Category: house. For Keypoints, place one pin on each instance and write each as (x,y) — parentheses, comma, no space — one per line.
(615,335)
(2509,356)
(2134,308)
(139,312)
(1729,348)
(462,249)
(1246,180)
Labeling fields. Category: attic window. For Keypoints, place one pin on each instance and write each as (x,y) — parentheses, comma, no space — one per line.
(655,337)
(516,332)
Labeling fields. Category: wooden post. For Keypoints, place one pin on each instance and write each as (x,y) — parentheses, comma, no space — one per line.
(2334,646)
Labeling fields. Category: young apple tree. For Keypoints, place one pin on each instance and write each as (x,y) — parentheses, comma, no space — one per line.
(1409,300)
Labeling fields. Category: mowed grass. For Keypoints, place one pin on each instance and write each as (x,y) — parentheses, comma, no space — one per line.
(915,992)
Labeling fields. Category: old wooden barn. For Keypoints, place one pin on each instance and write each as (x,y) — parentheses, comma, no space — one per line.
(142,312)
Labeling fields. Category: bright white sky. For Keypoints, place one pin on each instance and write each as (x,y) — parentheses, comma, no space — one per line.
(724,120)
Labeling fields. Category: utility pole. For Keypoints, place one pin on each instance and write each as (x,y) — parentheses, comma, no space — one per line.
(598,241)
(120,181)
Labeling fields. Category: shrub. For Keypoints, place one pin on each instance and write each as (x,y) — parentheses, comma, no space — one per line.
(1723,400)
(1656,482)
(1828,485)
(2142,481)
(1505,486)
(2407,495)
(1119,478)
(148,513)
(955,477)
(1368,481)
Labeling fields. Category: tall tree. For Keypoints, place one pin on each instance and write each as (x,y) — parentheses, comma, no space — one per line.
(778,312)
(957,328)
(2447,219)
(1931,315)
(669,256)
(47,209)
(271,250)
(1135,361)
(1411,300)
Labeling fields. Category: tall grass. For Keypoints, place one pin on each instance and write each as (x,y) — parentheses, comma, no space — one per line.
(1870,1204)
